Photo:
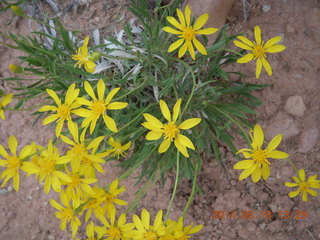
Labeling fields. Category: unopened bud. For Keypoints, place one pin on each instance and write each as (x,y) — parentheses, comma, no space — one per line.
(16,68)
(95,56)
(17,10)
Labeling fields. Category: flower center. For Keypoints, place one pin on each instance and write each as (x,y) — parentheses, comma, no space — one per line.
(75,180)
(48,167)
(170,131)
(114,233)
(79,149)
(260,156)
(258,51)
(13,162)
(64,111)
(304,186)
(188,33)
(98,107)
(67,213)
(150,236)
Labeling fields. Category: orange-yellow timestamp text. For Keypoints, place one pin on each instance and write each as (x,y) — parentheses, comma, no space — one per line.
(250,214)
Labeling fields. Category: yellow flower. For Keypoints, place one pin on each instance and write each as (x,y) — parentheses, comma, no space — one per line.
(188,33)
(304,186)
(110,198)
(78,189)
(83,58)
(179,232)
(94,205)
(17,10)
(46,169)
(120,229)
(64,111)
(13,162)
(16,68)
(258,164)
(145,230)
(170,131)
(4,102)
(118,149)
(99,107)
(79,148)
(259,50)
(66,214)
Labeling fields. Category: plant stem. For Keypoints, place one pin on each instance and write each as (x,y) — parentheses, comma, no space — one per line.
(174,189)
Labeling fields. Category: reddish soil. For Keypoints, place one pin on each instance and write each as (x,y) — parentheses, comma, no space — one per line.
(291,107)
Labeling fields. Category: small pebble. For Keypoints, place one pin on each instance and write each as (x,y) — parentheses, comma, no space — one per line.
(266,8)
(3,191)
(9,189)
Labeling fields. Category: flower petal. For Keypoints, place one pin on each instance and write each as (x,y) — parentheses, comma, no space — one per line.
(246,58)
(258,68)
(245,173)
(176,109)
(274,143)
(258,136)
(175,45)
(101,89)
(277,155)
(275,48)
(190,123)
(191,51)
(181,17)
(154,135)
(174,22)
(246,41)
(185,141)
(256,175)
(181,147)
(183,49)
(199,46)
(13,143)
(294,193)
(206,31)
(302,175)
(290,184)
(265,172)
(242,45)
(152,120)
(267,66)
(117,105)
(145,218)
(111,95)
(257,34)
(110,123)
(201,21)
(187,14)
(89,90)
(171,30)
(165,110)
(54,96)
(244,164)
(272,42)
(164,146)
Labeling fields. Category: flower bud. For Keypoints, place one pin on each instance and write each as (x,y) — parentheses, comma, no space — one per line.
(95,56)
(16,68)
(17,10)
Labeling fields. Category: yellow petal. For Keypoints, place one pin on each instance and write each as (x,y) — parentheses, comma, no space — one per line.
(245,164)
(13,143)
(275,48)
(245,173)
(206,31)
(312,192)
(47,108)
(181,17)
(6,99)
(183,49)
(267,66)
(158,220)
(258,136)
(110,123)
(265,172)
(175,45)
(165,110)
(245,40)
(59,128)
(201,21)
(117,105)
(50,119)
(199,46)
(101,89)
(302,175)
(181,147)
(16,181)
(54,96)
(257,34)
(3,152)
(258,68)
(242,45)
(272,42)
(256,175)
(185,141)
(246,58)
(111,95)
(290,184)
(176,109)
(187,14)
(174,22)
(153,135)
(294,193)
(171,30)
(152,120)
(148,125)
(274,143)
(190,123)
(304,196)
(277,155)
(89,90)
(145,218)
(191,51)
(164,146)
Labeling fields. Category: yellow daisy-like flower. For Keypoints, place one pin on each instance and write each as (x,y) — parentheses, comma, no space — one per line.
(83,58)
(4,102)
(64,111)
(259,50)
(79,148)
(145,231)
(118,230)
(13,162)
(117,148)
(304,186)
(179,232)
(66,214)
(99,107)
(170,131)
(46,169)
(257,164)
(188,33)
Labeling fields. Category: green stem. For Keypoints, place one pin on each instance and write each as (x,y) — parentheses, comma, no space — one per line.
(174,189)
(232,51)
